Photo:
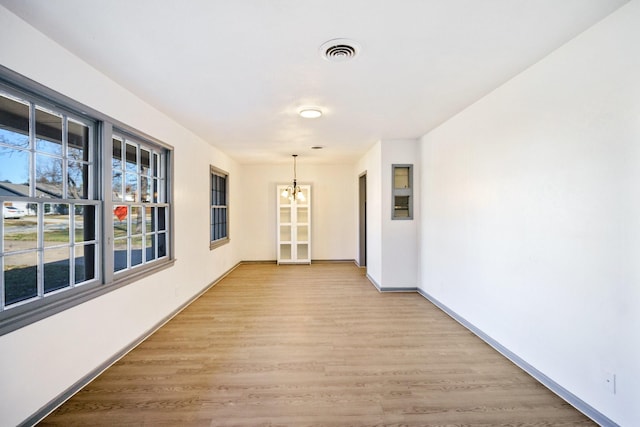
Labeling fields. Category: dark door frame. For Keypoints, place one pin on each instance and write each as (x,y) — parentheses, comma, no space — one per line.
(362,215)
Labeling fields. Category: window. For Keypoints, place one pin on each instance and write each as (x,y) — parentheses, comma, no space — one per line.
(140,206)
(59,245)
(402,192)
(47,184)
(219,207)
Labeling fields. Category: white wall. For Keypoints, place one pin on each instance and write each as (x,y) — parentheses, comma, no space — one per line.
(392,245)
(531,215)
(334,198)
(40,361)
(400,249)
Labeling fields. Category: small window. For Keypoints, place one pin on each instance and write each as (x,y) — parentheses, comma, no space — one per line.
(402,192)
(219,207)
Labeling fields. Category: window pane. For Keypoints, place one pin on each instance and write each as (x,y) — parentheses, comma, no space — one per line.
(217,192)
(48,132)
(84,263)
(162,245)
(401,206)
(56,269)
(162,219)
(150,220)
(85,223)
(132,158)
(20,231)
(156,165)
(145,189)
(78,140)
(14,122)
(131,188)
(119,254)
(155,191)
(77,177)
(48,176)
(214,221)
(56,224)
(14,171)
(145,162)
(223,215)
(116,165)
(400,177)
(222,189)
(116,187)
(116,160)
(136,250)
(136,220)
(20,277)
(162,197)
(120,228)
(150,248)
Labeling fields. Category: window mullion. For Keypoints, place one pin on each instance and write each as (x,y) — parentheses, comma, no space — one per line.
(93,165)
(40,251)
(72,245)
(65,158)
(163,177)
(106,137)
(138,198)
(32,150)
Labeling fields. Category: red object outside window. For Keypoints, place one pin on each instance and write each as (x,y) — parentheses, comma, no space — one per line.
(120,212)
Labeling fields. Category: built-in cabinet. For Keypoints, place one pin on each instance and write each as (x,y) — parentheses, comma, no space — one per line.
(294,226)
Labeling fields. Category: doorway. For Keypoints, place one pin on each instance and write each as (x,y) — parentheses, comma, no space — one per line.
(362,214)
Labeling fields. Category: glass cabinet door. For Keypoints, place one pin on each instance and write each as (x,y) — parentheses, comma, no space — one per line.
(294,226)
(302,233)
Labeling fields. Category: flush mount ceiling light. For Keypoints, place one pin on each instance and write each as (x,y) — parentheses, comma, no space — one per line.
(339,50)
(310,113)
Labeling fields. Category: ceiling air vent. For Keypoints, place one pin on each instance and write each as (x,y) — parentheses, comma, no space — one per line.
(339,50)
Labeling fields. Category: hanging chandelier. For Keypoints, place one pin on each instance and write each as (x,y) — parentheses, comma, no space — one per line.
(293,191)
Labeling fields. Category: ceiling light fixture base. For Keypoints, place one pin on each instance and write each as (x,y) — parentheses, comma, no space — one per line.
(310,112)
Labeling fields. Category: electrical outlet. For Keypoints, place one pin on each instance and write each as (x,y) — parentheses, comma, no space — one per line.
(610,382)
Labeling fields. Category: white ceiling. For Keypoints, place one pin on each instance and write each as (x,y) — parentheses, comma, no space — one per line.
(236,72)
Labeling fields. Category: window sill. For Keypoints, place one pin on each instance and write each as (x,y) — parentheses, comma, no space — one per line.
(218,243)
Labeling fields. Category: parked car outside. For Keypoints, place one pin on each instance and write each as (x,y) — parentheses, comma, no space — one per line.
(11,212)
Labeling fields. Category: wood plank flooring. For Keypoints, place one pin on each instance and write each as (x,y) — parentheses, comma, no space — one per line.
(313,346)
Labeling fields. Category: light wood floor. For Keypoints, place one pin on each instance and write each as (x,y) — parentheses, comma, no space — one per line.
(313,346)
